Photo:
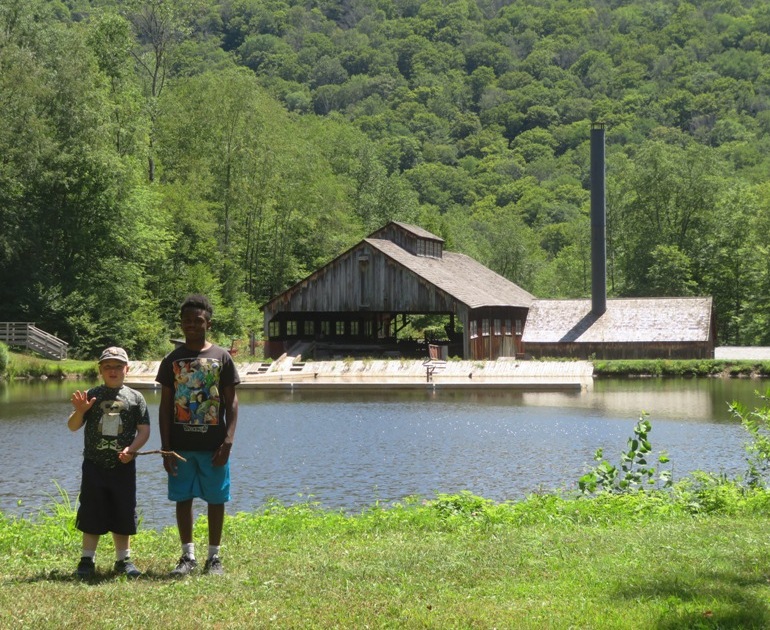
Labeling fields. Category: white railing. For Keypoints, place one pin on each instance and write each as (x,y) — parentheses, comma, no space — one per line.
(27,335)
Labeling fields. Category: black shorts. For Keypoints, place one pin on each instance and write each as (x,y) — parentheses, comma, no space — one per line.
(107,499)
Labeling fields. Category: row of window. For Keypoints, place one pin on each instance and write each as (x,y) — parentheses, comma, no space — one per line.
(326,328)
(498,327)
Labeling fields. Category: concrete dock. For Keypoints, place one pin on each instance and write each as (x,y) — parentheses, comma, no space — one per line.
(292,372)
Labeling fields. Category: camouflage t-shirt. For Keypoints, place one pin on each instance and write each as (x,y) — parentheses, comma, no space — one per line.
(110,424)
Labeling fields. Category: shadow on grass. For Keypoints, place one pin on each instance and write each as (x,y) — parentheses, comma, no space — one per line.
(100,578)
(714,600)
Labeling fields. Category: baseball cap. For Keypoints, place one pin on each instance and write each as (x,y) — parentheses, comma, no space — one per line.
(114,353)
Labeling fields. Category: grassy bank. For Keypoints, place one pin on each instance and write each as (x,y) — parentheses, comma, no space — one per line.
(693,558)
(25,365)
(682,368)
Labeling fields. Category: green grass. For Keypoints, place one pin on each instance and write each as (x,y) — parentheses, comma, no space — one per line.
(32,365)
(634,561)
(694,367)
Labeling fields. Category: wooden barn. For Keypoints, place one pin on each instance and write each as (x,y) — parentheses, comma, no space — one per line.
(640,328)
(357,304)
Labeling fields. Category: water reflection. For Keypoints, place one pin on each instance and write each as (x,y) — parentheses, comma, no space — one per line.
(348,450)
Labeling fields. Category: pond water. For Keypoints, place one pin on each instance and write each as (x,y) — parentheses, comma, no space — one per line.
(350,450)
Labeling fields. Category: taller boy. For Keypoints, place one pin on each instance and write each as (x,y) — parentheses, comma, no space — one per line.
(197,419)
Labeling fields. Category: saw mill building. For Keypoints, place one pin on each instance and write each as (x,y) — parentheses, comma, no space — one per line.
(356,304)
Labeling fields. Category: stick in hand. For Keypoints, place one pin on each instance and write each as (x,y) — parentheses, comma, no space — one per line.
(159,452)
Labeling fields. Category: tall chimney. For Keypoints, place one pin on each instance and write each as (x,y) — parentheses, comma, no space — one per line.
(598,222)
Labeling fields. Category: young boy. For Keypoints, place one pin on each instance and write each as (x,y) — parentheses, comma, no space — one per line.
(117,424)
(197,418)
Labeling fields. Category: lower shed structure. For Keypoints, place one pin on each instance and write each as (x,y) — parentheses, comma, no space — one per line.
(635,328)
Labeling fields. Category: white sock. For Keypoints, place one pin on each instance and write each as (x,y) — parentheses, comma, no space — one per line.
(189,550)
(213,550)
(89,553)
(122,555)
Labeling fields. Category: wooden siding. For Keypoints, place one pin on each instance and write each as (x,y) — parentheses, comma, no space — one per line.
(363,280)
(626,351)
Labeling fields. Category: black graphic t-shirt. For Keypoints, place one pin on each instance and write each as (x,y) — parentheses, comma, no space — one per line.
(197,377)
(110,424)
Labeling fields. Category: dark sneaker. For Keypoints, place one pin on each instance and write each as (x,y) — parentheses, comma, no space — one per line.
(214,566)
(185,566)
(86,568)
(127,568)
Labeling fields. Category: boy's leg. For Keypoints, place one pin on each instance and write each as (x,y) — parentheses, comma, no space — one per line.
(215,483)
(184,523)
(123,564)
(90,542)
(216,523)
(122,546)
(86,567)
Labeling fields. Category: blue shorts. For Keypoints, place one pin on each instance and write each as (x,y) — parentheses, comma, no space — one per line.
(198,477)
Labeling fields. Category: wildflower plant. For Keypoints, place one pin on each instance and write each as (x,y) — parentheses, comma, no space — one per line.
(633,472)
(757,423)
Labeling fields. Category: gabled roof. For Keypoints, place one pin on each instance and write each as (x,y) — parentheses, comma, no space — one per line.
(634,320)
(458,275)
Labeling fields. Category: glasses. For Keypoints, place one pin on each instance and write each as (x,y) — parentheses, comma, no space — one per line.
(114,367)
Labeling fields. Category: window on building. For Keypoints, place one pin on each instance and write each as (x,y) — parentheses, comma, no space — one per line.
(354,327)
(498,328)
(518,327)
(274,329)
(473,329)
(485,327)
(508,329)
(308,328)
(340,328)
(291,327)
(326,328)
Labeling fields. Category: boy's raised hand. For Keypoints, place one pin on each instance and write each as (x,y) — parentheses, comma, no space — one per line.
(81,403)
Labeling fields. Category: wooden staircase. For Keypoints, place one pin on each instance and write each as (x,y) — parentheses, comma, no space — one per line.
(27,335)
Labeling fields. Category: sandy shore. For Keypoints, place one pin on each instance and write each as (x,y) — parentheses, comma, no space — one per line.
(291,373)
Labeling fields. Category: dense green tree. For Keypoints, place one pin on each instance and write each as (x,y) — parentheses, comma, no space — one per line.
(233,147)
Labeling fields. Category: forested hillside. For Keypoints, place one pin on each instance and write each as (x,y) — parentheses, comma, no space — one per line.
(149,148)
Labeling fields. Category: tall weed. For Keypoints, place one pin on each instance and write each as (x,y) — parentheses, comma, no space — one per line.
(633,471)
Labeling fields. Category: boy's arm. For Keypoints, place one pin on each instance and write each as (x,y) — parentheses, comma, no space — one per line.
(81,404)
(142,435)
(165,418)
(222,454)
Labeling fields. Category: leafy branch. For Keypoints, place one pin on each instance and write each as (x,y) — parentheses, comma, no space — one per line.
(633,472)
(757,423)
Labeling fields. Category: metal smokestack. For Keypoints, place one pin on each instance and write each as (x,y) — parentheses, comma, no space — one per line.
(598,222)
